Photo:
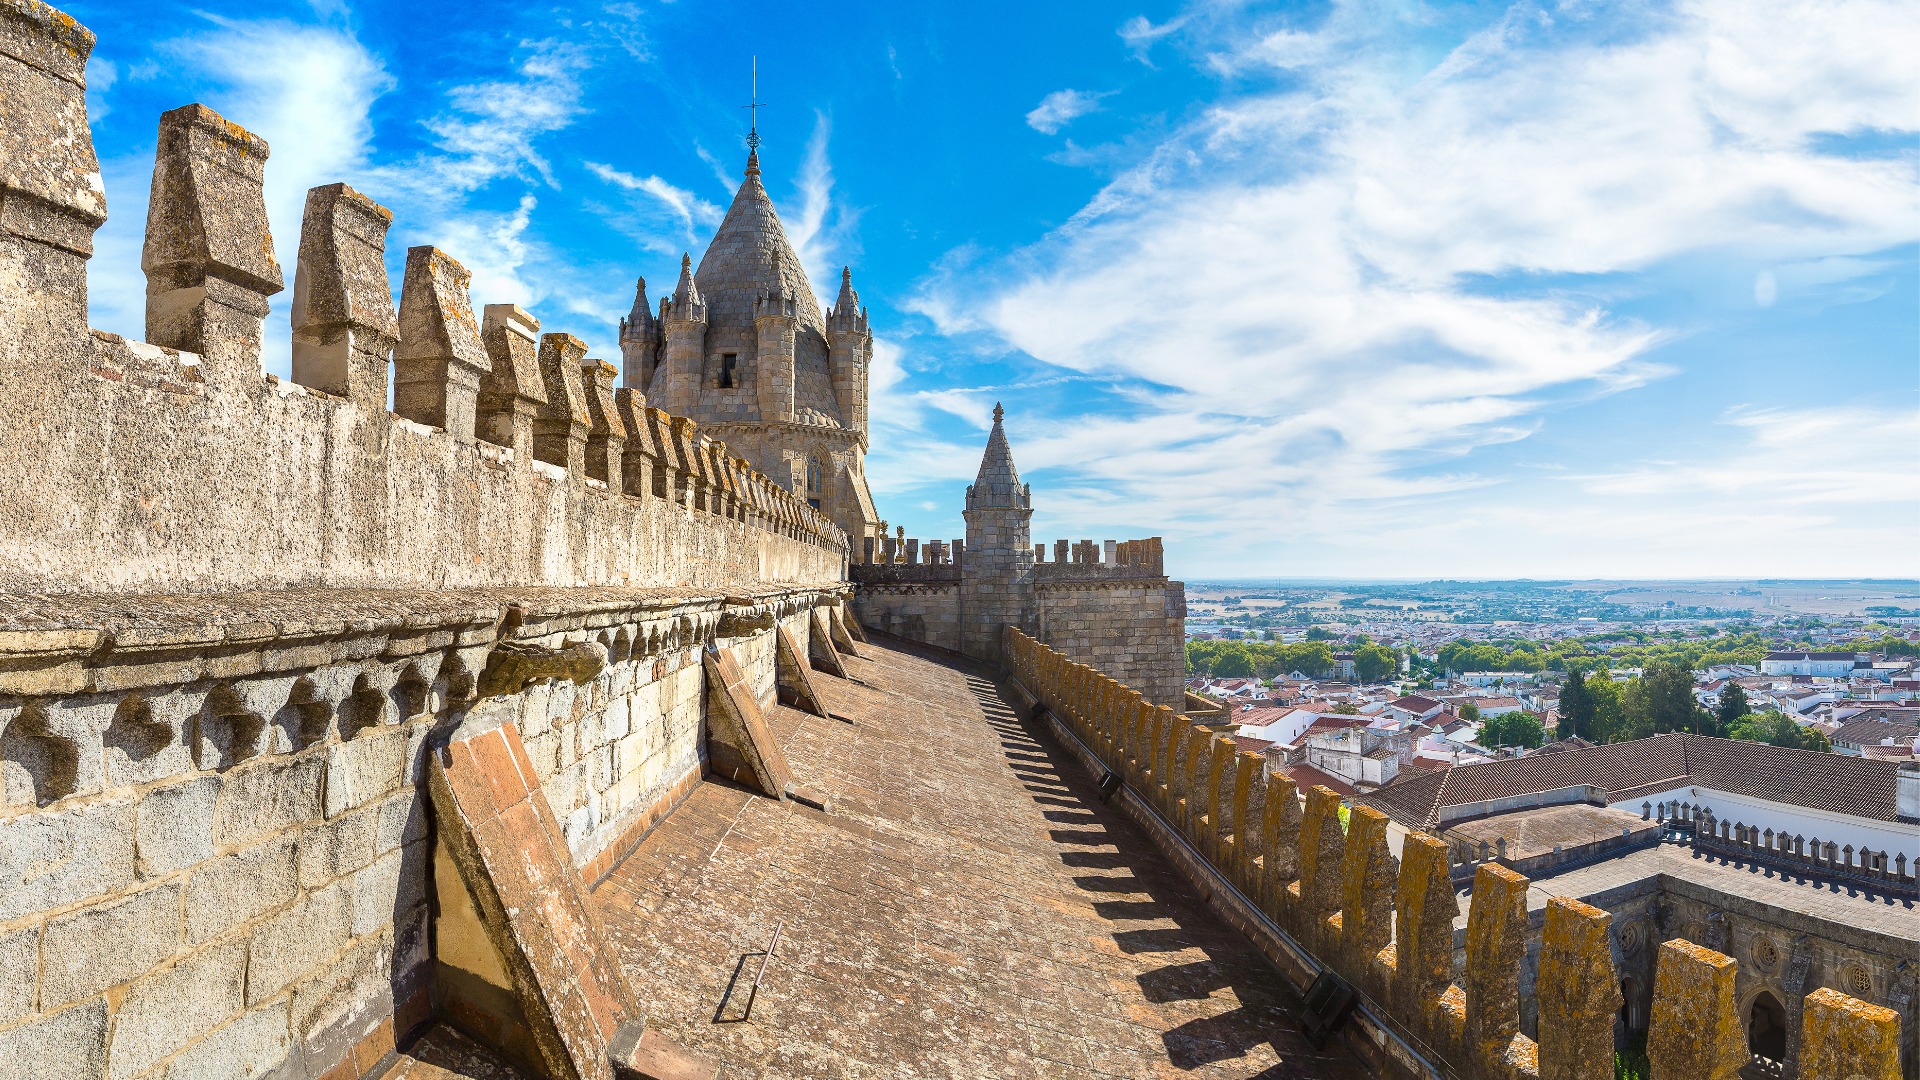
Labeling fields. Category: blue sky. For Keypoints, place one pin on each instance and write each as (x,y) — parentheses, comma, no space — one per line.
(1327,289)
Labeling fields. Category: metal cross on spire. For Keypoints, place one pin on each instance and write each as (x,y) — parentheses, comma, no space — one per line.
(754,107)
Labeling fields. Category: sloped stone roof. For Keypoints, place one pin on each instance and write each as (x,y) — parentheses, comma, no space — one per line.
(998,483)
(749,256)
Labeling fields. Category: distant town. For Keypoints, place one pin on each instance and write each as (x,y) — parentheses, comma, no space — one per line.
(1349,685)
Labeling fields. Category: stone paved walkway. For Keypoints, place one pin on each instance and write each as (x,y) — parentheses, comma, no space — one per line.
(967,909)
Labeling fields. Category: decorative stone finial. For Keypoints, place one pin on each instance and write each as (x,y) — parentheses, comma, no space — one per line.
(998,412)
(753,164)
(684,290)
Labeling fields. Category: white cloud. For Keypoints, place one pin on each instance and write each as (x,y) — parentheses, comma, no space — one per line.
(1141,35)
(307,90)
(686,208)
(1062,107)
(1329,293)
(489,129)
(821,230)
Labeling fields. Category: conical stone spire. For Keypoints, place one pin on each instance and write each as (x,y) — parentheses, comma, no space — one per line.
(685,290)
(998,484)
(849,300)
(750,257)
(639,321)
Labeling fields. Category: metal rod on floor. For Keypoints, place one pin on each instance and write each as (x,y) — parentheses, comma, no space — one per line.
(762,973)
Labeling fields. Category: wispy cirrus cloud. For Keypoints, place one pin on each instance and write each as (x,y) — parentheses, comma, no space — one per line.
(1063,107)
(823,231)
(686,210)
(1352,287)
(490,129)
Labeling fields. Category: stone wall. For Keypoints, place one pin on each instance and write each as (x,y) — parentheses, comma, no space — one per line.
(926,611)
(1134,628)
(177,465)
(241,611)
(214,845)
(1126,617)
(1319,894)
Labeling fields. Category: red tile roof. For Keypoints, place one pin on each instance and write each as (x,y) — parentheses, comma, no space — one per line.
(1845,785)
(1306,776)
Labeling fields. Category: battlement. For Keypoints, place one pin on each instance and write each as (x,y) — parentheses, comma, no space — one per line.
(1086,559)
(1320,894)
(508,457)
(904,550)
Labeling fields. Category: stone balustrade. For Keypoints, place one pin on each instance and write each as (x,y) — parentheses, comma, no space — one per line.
(1385,925)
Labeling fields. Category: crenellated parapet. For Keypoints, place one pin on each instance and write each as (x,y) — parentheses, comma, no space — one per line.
(1315,884)
(1090,561)
(177,464)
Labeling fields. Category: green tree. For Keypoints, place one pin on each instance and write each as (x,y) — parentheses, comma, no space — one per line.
(1733,706)
(1664,701)
(1610,719)
(1470,712)
(1315,633)
(1234,664)
(1578,707)
(1372,663)
(1513,729)
(1778,729)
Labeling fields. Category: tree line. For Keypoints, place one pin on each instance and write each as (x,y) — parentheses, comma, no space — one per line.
(1599,708)
(1273,659)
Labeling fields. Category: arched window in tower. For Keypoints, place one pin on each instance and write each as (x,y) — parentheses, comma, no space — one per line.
(724,380)
(814,481)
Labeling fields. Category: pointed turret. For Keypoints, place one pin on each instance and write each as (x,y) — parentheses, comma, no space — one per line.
(849,346)
(639,341)
(685,291)
(996,580)
(998,485)
(683,318)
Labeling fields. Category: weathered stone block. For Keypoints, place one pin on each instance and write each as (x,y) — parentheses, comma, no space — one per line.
(234,888)
(402,820)
(389,889)
(71,1045)
(175,826)
(364,769)
(1496,945)
(60,857)
(86,951)
(1578,992)
(19,968)
(268,797)
(244,1049)
(1694,1030)
(296,941)
(337,846)
(170,1008)
(354,988)
(1844,1038)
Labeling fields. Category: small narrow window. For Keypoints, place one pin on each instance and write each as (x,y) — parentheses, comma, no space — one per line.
(813,482)
(727,361)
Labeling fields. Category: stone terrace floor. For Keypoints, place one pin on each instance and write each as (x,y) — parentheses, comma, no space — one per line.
(967,909)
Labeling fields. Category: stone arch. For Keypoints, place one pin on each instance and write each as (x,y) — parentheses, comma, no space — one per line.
(307,717)
(37,766)
(365,708)
(135,732)
(1766,1021)
(228,730)
(622,646)
(412,693)
(1633,1007)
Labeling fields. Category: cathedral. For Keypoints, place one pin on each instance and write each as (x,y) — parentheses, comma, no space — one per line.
(742,347)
